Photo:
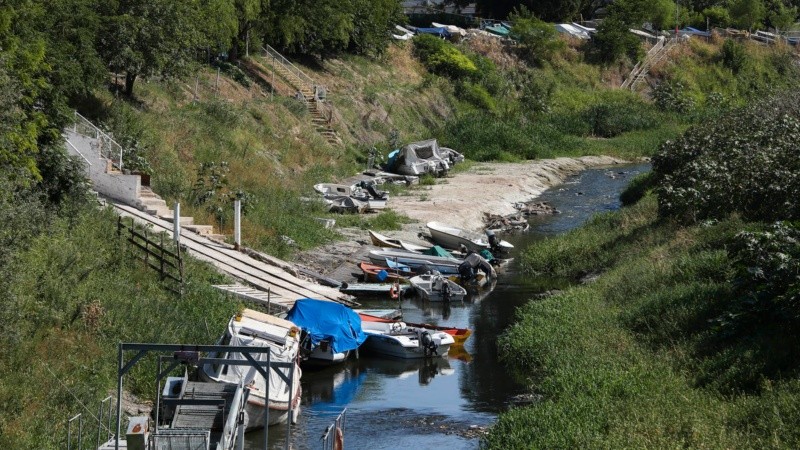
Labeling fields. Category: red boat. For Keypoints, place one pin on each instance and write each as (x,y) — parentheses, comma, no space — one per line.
(459,334)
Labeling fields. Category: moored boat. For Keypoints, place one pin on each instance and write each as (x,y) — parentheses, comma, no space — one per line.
(454,238)
(330,330)
(397,339)
(447,266)
(436,287)
(256,329)
(382,274)
(459,334)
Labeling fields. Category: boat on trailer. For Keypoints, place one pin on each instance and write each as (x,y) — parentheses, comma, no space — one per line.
(454,238)
(255,329)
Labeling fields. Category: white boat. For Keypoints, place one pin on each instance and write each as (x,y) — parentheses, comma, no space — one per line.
(380,240)
(447,266)
(255,329)
(401,341)
(436,287)
(361,194)
(454,238)
(419,158)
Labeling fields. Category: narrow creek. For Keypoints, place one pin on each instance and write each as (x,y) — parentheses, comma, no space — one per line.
(443,402)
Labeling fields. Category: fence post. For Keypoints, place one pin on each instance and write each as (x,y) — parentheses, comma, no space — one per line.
(162,256)
(176,224)
(237,224)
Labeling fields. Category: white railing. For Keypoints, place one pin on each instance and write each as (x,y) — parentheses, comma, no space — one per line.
(319,90)
(108,147)
(653,55)
(333,436)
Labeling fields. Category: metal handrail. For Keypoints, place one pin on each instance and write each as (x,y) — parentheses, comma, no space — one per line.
(320,91)
(328,440)
(82,124)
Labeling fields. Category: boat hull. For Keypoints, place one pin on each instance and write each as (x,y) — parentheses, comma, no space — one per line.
(415,261)
(387,346)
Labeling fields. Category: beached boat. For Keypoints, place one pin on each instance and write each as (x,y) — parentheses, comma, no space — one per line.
(419,158)
(398,340)
(365,193)
(255,329)
(459,334)
(383,274)
(436,287)
(330,330)
(380,240)
(452,237)
(416,261)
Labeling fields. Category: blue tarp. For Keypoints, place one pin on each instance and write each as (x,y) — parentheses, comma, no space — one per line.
(330,321)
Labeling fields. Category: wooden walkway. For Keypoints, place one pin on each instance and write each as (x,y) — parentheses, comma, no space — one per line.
(283,286)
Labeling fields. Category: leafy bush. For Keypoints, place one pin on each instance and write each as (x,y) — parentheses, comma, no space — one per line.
(744,163)
(483,137)
(537,40)
(450,62)
(672,95)
(617,113)
(613,41)
(733,55)
(476,95)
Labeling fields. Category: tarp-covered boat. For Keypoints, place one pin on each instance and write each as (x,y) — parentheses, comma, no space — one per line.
(419,158)
(330,330)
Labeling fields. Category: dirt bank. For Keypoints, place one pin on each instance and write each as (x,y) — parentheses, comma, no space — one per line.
(460,200)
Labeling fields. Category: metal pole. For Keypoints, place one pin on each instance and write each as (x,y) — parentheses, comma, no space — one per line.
(120,366)
(176,224)
(237,224)
(272,88)
(291,409)
(266,401)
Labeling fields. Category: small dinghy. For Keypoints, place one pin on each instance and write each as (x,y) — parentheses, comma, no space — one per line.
(454,238)
(436,287)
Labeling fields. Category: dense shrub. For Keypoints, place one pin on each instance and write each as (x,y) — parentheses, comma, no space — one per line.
(745,163)
(617,113)
(672,95)
(733,55)
(476,95)
(443,58)
(483,137)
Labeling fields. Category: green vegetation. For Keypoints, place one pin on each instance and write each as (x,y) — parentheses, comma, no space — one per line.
(209,130)
(687,335)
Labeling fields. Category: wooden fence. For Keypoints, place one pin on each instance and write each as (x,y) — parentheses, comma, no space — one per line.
(168,262)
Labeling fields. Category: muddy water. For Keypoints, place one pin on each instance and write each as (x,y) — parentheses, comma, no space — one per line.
(444,402)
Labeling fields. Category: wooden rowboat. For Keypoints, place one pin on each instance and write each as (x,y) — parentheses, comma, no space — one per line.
(373,274)
(460,335)
(380,240)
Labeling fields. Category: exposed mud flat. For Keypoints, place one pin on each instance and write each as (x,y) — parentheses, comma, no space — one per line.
(462,200)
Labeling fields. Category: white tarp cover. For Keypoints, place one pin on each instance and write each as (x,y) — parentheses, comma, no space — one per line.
(283,348)
(421,157)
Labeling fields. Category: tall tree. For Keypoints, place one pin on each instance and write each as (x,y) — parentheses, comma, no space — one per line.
(748,14)
(151,37)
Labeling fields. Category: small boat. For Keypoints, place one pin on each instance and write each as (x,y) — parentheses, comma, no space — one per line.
(256,329)
(416,261)
(381,274)
(344,204)
(363,192)
(419,158)
(454,238)
(330,331)
(459,334)
(380,240)
(436,287)
(399,340)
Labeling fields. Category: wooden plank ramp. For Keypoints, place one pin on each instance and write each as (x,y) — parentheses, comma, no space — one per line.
(283,286)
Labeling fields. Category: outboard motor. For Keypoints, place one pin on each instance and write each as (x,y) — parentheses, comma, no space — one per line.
(427,343)
(494,242)
(446,291)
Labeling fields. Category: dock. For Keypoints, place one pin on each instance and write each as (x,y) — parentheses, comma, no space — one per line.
(265,273)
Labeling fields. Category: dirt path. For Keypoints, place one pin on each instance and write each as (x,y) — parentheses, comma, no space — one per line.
(459,200)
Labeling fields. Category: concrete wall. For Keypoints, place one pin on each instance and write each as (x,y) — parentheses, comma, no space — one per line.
(117,186)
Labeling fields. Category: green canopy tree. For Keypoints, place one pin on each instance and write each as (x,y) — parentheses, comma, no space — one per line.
(748,14)
(536,40)
(144,38)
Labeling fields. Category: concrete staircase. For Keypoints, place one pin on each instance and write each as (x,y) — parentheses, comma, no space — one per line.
(313,94)
(103,162)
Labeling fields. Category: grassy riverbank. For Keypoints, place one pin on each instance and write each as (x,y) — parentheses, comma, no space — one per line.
(684,332)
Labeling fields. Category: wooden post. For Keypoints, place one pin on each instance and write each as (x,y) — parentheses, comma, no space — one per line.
(146,246)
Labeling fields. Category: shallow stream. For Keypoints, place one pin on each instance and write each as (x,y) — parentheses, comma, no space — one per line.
(443,402)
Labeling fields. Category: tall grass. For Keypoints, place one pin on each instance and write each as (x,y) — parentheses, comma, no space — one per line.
(638,358)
